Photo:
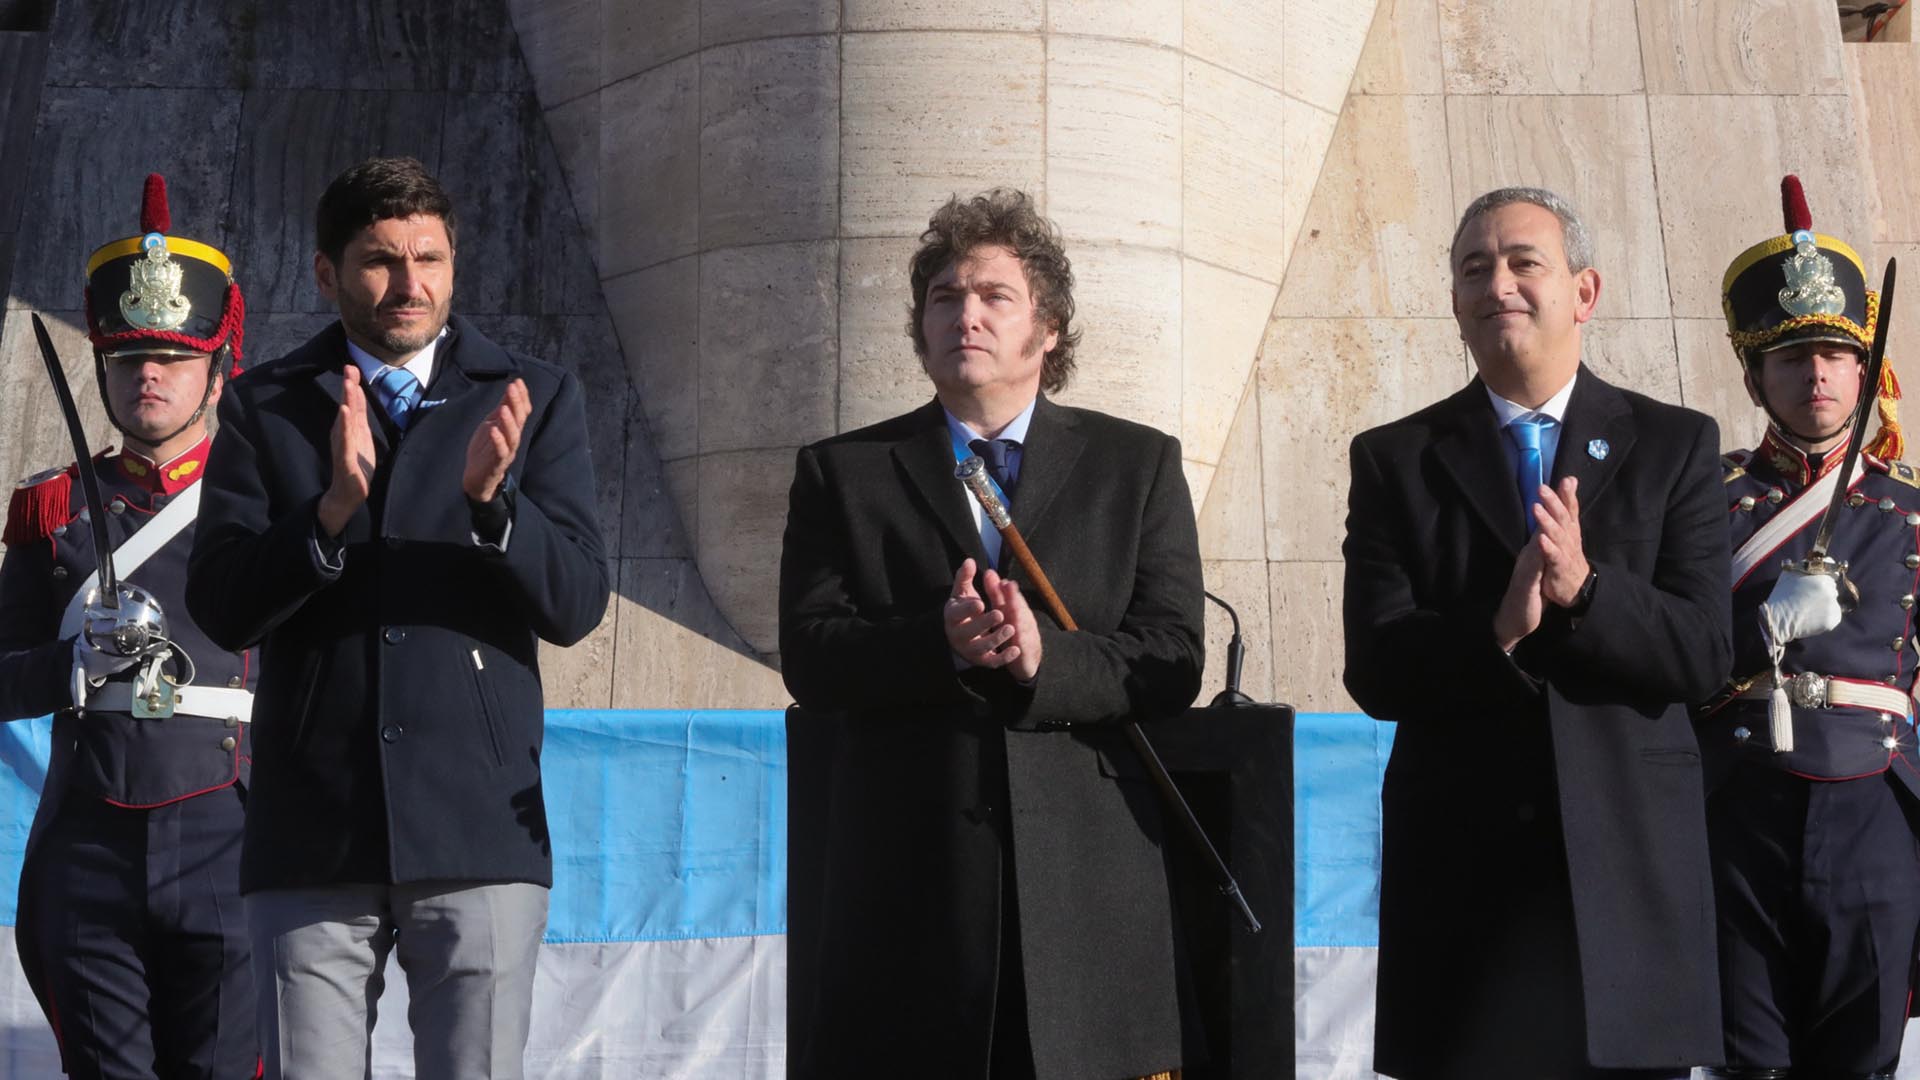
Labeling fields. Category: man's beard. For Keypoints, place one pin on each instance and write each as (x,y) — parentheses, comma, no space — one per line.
(393,339)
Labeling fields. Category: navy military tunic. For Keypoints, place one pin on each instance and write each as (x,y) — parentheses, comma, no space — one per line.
(1816,863)
(130,927)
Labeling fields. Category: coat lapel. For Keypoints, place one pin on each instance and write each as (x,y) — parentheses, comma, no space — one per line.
(333,358)
(926,457)
(1047,458)
(1470,451)
(1596,438)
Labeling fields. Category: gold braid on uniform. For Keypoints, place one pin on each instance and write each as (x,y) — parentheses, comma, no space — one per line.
(1759,339)
(1888,443)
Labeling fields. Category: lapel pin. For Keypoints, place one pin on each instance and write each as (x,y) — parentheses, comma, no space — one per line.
(1597,449)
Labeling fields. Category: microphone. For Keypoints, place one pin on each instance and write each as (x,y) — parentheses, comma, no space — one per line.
(1231,697)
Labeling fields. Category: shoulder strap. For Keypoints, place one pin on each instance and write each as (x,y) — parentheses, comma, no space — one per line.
(1792,517)
(172,519)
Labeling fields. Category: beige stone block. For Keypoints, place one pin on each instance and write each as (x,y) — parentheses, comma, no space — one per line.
(769,141)
(1903,348)
(1309,654)
(961,15)
(33,437)
(769,339)
(1113,141)
(1323,381)
(1234,207)
(580,676)
(1309,136)
(1232,512)
(1322,41)
(743,512)
(1710,215)
(1199,478)
(636,36)
(1128,361)
(1375,237)
(1887,106)
(1710,382)
(1402,54)
(656,313)
(1740,47)
(1540,46)
(560,40)
(1636,354)
(1243,584)
(1596,151)
(650,155)
(675,649)
(650,519)
(1224,315)
(722,21)
(880,375)
(574,127)
(682,479)
(910,139)
(1243,36)
(1158,22)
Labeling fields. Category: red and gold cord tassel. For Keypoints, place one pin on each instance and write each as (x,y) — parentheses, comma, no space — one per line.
(1888,444)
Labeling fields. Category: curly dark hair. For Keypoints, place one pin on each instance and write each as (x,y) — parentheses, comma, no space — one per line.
(1003,217)
(375,190)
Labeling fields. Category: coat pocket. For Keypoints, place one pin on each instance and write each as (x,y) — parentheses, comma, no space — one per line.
(490,715)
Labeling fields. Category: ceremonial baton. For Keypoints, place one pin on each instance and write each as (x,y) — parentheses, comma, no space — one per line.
(1817,560)
(973,473)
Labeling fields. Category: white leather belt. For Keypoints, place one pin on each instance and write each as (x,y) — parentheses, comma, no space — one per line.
(217,702)
(1811,691)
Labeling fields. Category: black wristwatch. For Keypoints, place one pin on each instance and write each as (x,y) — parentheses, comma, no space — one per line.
(1583,599)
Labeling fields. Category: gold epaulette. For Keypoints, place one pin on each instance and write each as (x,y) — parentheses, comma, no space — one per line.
(1733,466)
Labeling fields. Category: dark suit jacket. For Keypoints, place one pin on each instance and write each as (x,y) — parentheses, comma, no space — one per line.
(398,725)
(935,770)
(1543,815)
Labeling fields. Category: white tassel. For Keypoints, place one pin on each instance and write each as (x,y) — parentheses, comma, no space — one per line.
(1779,709)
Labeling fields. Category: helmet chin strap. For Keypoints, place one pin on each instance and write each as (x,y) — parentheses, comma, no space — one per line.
(106,399)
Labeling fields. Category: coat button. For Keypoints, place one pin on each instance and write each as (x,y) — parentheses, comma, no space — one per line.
(233,721)
(394,635)
(118,505)
(1906,602)
(59,530)
(1741,734)
(1856,499)
(1913,518)
(1746,502)
(1913,562)
(234,682)
(228,743)
(1887,506)
(59,573)
(392,732)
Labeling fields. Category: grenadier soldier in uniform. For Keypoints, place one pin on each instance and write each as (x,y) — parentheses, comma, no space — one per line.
(1808,753)
(130,929)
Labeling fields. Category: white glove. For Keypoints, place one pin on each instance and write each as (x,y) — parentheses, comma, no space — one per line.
(1801,606)
(91,666)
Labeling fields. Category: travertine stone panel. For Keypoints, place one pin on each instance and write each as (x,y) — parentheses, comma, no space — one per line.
(581,675)
(1710,382)
(575,128)
(1595,151)
(1155,21)
(91,154)
(638,36)
(1540,46)
(277,182)
(1232,513)
(1242,36)
(1402,54)
(1741,47)
(656,313)
(1308,653)
(272,335)
(560,40)
(1113,141)
(880,375)
(743,512)
(683,487)
(650,520)
(1309,134)
(769,335)
(722,21)
(769,141)
(1323,381)
(1235,169)
(1321,41)
(1903,346)
(1224,316)
(674,650)
(464,45)
(1705,224)
(521,250)
(967,15)
(1891,128)
(1637,354)
(1128,362)
(33,437)
(1242,583)
(1375,237)
(146,43)
(1199,477)
(650,162)
(909,140)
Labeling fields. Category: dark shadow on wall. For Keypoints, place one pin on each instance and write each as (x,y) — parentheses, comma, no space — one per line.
(250,108)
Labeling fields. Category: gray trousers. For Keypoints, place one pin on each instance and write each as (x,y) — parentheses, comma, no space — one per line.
(468,951)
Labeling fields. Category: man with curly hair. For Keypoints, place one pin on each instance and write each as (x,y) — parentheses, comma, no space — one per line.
(993,896)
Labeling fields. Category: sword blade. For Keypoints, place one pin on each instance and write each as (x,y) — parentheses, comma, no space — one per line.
(1869,392)
(83,460)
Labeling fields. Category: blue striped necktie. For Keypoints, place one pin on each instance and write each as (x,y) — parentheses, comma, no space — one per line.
(399,393)
(1525,433)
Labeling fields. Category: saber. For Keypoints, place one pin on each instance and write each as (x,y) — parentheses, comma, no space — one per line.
(973,473)
(1817,560)
(83,464)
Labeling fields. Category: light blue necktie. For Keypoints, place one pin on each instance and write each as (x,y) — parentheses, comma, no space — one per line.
(1525,433)
(399,393)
